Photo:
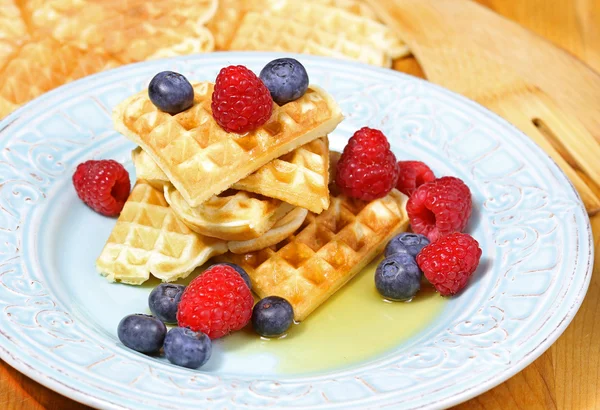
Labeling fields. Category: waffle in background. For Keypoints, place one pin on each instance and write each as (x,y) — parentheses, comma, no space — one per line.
(58,41)
(229,14)
(132,30)
(260,32)
(47,43)
(227,19)
(39,66)
(337,28)
(358,29)
(13,31)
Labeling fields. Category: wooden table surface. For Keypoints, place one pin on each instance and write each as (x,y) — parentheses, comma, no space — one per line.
(567,376)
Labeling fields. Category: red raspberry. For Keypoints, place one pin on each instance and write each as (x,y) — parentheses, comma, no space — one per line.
(439,207)
(103,185)
(240,102)
(217,302)
(412,175)
(367,169)
(449,262)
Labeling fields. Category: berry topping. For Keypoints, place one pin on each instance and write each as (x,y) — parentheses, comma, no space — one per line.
(187,348)
(439,207)
(449,262)
(217,302)
(367,169)
(398,277)
(171,92)
(163,301)
(239,270)
(286,79)
(412,175)
(142,333)
(408,243)
(240,102)
(272,316)
(103,185)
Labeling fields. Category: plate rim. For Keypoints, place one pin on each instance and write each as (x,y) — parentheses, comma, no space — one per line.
(101,402)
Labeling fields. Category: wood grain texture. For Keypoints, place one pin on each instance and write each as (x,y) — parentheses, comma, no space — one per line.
(567,376)
(571,83)
(18,392)
(445,37)
(571,24)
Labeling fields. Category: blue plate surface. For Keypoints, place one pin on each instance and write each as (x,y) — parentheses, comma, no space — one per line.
(58,317)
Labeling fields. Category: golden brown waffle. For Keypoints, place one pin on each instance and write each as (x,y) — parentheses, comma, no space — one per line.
(326,252)
(130,31)
(13,31)
(233,215)
(43,65)
(358,29)
(358,7)
(147,169)
(227,18)
(200,158)
(237,213)
(148,238)
(265,32)
(299,178)
(282,229)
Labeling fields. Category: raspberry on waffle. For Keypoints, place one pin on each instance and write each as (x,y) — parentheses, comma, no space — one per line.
(299,178)
(367,169)
(200,158)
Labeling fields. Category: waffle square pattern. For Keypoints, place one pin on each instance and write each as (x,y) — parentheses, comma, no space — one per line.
(149,238)
(200,158)
(299,178)
(326,252)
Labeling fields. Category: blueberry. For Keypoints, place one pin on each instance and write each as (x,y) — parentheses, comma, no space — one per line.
(171,92)
(398,277)
(286,79)
(163,301)
(408,243)
(239,270)
(272,316)
(143,333)
(187,348)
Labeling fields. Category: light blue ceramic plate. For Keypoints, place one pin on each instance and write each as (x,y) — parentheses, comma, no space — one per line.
(58,317)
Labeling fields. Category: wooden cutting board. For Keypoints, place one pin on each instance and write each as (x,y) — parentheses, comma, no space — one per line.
(555,99)
(544,91)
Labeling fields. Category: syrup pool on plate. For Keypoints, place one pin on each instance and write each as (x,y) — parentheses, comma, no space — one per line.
(354,325)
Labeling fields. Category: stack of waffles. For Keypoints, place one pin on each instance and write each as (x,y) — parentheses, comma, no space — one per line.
(345,29)
(47,43)
(262,200)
